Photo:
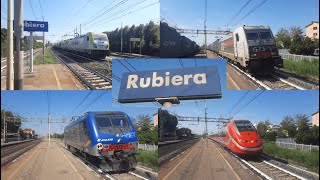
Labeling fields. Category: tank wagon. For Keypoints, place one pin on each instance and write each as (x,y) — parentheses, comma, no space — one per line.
(240,137)
(253,48)
(173,45)
(106,137)
(94,45)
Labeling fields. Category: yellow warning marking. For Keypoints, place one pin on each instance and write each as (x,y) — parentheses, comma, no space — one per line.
(194,147)
(22,164)
(233,82)
(229,165)
(57,79)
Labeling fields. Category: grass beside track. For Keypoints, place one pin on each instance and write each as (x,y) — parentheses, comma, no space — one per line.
(304,68)
(148,159)
(48,58)
(310,160)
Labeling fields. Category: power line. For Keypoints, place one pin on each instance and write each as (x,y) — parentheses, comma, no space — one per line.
(95,100)
(41,8)
(238,102)
(235,16)
(32,9)
(255,97)
(252,10)
(82,101)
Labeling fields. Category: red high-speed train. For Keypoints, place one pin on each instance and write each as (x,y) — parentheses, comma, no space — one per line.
(240,137)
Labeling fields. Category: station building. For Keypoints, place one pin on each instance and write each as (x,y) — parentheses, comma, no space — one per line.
(312,30)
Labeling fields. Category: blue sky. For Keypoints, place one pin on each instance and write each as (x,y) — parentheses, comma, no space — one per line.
(275,13)
(34,104)
(64,15)
(270,105)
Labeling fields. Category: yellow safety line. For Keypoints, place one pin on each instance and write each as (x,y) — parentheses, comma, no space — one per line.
(229,165)
(233,82)
(179,163)
(57,79)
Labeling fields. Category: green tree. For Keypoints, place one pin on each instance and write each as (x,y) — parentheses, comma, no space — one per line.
(288,124)
(271,136)
(283,38)
(147,134)
(262,128)
(303,133)
(314,131)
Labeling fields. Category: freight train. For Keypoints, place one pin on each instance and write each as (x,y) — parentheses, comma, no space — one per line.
(94,45)
(240,137)
(106,137)
(173,45)
(253,48)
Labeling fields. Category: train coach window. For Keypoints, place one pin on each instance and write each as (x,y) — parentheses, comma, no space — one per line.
(244,126)
(266,35)
(237,37)
(252,35)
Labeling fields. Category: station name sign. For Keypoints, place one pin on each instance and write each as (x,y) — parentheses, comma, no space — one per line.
(35,26)
(183,83)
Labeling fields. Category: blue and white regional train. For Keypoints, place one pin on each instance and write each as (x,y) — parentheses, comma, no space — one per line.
(107,137)
(94,45)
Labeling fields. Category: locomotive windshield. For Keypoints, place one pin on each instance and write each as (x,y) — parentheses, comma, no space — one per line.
(104,121)
(266,35)
(252,35)
(244,126)
(100,38)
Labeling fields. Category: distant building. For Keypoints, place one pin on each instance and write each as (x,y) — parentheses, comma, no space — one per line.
(315,118)
(155,120)
(312,30)
(29,133)
(273,127)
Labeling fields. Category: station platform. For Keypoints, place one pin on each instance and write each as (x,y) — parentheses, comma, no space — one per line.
(204,160)
(50,163)
(49,77)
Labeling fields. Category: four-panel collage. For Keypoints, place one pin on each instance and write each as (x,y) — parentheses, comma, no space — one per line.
(159,89)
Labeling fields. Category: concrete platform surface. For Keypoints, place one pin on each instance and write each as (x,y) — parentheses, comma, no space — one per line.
(47,163)
(49,77)
(205,160)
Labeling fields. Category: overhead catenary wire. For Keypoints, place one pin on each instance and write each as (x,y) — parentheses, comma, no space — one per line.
(235,16)
(251,11)
(103,93)
(82,101)
(255,97)
(238,102)
(34,15)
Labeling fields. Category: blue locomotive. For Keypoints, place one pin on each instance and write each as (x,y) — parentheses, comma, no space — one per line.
(106,137)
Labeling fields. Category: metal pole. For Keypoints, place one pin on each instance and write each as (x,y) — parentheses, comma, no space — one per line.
(130,48)
(80,29)
(4,127)
(205,28)
(121,37)
(18,57)
(31,52)
(9,48)
(43,44)
(205,118)
(49,127)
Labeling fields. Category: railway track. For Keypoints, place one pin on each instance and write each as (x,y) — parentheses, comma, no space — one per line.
(93,79)
(11,152)
(169,151)
(270,169)
(272,82)
(130,175)
(128,55)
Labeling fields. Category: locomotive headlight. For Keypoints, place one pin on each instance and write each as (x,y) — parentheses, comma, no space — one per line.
(99,146)
(241,140)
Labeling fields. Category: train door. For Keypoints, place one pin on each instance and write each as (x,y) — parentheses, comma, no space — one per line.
(236,45)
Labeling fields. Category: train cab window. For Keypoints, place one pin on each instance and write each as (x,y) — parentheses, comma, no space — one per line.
(237,37)
(252,35)
(244,126)
(104,121)
(266,35)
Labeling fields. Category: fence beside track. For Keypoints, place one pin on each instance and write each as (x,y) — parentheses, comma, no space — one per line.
(303,147)
(296,57)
